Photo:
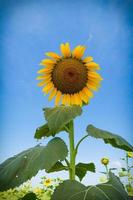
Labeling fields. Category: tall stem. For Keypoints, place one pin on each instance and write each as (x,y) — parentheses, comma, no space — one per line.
(128,170)
(72,151)
(107,171)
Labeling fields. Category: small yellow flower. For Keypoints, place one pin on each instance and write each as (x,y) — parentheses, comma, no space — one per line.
(47,182)
(130,154)
(37,190)
(105,161)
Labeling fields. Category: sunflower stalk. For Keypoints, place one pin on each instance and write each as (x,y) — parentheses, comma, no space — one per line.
(72,151)
(128,170)
(107,171)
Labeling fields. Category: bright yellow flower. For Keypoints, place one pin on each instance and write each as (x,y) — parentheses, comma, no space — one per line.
(130,154)
(38,190)
(69,78)
(47,182)
(105,161)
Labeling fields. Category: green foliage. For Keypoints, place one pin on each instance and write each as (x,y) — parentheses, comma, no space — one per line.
(25,165)
(67,189)
(25,192)
(44,131)
(83,168)
(29,196)
(57,167)
(60,116)
(72,190)
(110,138)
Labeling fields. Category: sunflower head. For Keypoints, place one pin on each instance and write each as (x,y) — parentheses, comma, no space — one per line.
(69,78)
(105,161)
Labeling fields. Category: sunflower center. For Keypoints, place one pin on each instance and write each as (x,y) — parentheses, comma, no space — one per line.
(69,76)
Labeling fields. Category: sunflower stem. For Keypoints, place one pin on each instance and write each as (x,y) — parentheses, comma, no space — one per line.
(107,171)
(72,151)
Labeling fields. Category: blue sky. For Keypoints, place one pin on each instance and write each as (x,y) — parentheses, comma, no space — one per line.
(28,29)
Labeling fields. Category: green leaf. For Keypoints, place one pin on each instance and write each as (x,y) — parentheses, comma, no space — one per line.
(44,131)
(29,196)
(66,189)
(60,116)
(115,181)
(73,190)
(82,168)
(57,167)
(25,165)
(110,138)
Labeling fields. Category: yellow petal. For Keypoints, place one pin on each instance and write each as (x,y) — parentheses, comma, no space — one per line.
(88,59)
(53,55)
(68,99)
(81,53)
(92,66)
(92,86)
(44,77)
(65,50)
(40,77)
(75,51)
(94,83)
(87,92)
(48,62)
(78,52)
(94,80)
(44,82)
(83,96)
(52,94)
(79,99)
(48,87)
(47,76)
(57,98)
(72,99)
(94,75)
(46,69)
(64,99)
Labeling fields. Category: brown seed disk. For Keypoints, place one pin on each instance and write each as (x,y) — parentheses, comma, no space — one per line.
(69,76)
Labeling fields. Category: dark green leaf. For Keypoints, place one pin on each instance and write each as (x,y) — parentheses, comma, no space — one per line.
(25,165)
(68,188)
(29,196)
(130,198)
(114,140)
(103,172)
(72,190)
(82,168)
(115,181)
(43,131)
(60,116)
(123,169)
(57,167)
(113,169)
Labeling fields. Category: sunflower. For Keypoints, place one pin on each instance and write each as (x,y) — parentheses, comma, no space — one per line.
(70,78)
(47,182)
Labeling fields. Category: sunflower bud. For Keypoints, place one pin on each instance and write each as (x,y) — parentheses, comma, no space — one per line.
(130,154)
(105,161)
